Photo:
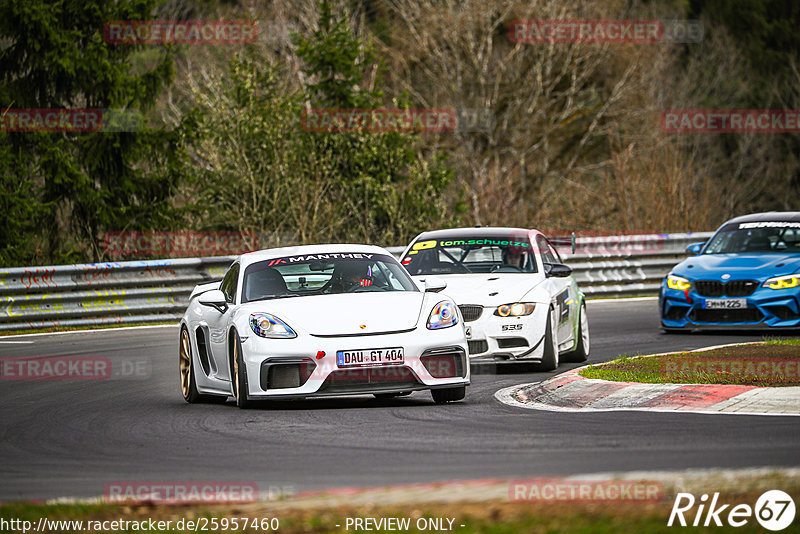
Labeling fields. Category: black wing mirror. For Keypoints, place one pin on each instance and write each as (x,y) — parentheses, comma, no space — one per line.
(558,270)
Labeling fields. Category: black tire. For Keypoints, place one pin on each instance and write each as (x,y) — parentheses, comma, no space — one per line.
(581,352)
(441,396)
(186,368)
(239,375)
(550,358)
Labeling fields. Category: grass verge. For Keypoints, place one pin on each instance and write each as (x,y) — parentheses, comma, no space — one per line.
(772,363)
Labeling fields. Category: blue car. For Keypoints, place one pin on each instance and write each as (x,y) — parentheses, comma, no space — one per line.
(746,276)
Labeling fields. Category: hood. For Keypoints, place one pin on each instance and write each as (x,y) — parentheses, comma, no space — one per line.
(343,314)
(738,266)
(487,289)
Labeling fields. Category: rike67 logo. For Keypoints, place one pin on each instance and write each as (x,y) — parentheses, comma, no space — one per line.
(774,510)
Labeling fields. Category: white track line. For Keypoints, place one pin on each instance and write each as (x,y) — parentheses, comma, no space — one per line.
(97,330)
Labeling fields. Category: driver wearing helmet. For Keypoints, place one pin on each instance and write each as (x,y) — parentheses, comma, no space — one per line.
(350,276)
(513,259)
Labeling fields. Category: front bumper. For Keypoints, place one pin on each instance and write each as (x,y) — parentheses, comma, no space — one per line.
(288,368)
(491,338)
(766,309)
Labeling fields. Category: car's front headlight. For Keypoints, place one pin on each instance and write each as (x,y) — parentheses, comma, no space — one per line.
(516,309)
(443,315)
(676,282)
(783,282)
(266,325)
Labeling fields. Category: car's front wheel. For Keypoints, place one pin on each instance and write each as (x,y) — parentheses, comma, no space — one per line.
(239,376)
(441,396)
(550,357)
(186,366)
(581,352)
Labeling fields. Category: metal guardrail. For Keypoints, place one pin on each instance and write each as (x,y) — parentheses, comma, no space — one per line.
(635,265)
(149,291)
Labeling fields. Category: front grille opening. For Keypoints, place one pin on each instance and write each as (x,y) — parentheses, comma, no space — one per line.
(676,313)
(444,365)
(511,342)
(748,315)
(276,375)
(471,312)
(731,288)
(784,313)
(477,347)
(369,379)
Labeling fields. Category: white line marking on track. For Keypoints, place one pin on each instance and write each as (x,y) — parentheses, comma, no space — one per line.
(624,299)
(97,330)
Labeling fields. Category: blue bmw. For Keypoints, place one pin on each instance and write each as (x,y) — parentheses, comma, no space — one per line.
(746,276)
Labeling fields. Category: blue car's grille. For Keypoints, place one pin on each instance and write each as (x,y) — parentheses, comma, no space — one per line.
(745,315)
(732,288)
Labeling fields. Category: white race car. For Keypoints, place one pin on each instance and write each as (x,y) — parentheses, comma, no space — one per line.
(320,320)
(518,299)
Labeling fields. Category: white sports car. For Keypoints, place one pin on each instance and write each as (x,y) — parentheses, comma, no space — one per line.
(518,299)
(320,320)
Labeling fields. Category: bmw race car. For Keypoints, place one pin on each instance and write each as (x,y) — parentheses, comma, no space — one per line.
(746,276)
(518,299)
(320,320)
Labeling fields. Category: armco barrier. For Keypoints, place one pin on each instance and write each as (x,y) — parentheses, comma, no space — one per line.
(149,291)
(615,266)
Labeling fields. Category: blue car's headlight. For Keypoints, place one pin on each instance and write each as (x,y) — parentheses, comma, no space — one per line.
(678,282)
(783,282)
(443,315)
(266,325)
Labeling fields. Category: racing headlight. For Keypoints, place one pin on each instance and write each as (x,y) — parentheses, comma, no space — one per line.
(266,325)
(516,309)
(443,315)
(783,282)
(676,282)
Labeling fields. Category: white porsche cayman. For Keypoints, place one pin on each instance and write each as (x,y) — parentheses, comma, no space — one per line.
(517,298)
(320,320)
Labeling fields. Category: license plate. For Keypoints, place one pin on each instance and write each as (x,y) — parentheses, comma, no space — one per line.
(347,358)
(725,304)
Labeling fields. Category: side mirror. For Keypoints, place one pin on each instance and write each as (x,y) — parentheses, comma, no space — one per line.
(695,248)
(559,270)
(434,285)
(214,299)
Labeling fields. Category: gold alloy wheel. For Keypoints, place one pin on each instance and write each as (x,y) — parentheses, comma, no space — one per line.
(185,363)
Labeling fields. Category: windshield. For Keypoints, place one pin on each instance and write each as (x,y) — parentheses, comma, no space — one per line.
(471,254)
(756,237)
(324,274)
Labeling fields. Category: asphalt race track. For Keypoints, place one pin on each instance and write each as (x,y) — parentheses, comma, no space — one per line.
(71,438)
